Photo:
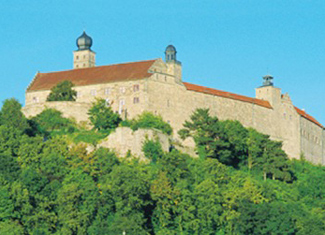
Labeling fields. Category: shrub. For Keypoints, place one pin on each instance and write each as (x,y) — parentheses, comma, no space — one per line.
(102,116)
(149,120)
(62,92)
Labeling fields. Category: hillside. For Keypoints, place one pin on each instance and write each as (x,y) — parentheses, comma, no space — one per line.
(241,183)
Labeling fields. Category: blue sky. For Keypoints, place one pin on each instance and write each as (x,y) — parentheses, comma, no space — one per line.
(228,45)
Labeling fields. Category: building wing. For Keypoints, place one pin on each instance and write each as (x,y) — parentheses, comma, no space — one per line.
(93,75)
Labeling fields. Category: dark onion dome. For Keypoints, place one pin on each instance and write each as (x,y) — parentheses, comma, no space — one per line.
(170,48)
(84,42)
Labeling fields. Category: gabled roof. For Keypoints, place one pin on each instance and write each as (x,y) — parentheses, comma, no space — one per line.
(94,75)
(308,117)
(224,94)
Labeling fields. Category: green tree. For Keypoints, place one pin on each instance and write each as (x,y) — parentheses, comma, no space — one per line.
(62,92)
(50,120)
(102,117)
(152,150)
(77,203)
(11,115)
(222,140)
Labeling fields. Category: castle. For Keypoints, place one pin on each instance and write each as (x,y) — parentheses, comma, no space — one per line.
(157,86)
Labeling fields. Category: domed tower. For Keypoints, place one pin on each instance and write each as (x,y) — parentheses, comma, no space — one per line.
(170,53)
(174,66)
(84,57)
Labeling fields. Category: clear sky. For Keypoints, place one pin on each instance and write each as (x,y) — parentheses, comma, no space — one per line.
(228,45)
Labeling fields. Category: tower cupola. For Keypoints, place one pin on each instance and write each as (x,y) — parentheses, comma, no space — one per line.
(84,42)
(268,80)
(170,54)
(84,57)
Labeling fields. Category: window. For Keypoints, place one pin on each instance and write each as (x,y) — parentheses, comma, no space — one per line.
(93,92)
(136,100)
(121,106)
(136,87)
(107,102)
(122,90)
(84,65)
(107,91)
(77,57)
(35,99)
(84,57)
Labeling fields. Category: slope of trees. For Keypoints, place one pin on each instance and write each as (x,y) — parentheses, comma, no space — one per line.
(238,185)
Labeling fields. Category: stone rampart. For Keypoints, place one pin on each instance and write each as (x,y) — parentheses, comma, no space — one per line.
(124,139)
(69,109)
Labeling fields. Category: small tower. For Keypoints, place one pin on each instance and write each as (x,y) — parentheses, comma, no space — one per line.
(174,66)
(170,54)
(268,92)
(84,57)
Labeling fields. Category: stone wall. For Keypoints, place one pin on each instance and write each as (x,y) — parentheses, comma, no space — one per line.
(311,141)
(128,97)
(125,139)
(69,109)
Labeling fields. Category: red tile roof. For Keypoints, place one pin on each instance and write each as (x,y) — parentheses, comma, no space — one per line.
(308,117)
(92,76)
(225,94)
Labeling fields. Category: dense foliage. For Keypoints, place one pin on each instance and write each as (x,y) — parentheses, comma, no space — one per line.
(102,116)
(147,120)
(52,187)
(62,92)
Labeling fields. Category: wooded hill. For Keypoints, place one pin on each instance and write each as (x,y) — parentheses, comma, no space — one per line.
(241,183)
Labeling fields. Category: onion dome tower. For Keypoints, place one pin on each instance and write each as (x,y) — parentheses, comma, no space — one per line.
(84,57)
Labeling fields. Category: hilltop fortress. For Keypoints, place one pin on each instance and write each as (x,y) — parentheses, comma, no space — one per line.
(157,86)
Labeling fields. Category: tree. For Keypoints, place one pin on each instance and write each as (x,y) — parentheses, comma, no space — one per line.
(102,116)
(62,92)
(50,120)
(12,116)
(224,140)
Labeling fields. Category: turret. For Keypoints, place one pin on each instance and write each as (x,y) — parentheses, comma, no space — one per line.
(268,92)
(174,66)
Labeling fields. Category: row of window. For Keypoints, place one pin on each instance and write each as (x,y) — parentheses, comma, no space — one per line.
(136,100)
(310,137)
(84,57)
(107,91)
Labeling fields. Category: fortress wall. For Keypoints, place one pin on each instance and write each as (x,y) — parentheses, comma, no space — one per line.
(176,104)
(114,92)
(124,140)
(69,109)
(311,141)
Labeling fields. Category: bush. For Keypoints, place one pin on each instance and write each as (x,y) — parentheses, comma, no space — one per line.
(50,120)
(62,92)
(102,116)
(148,120)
